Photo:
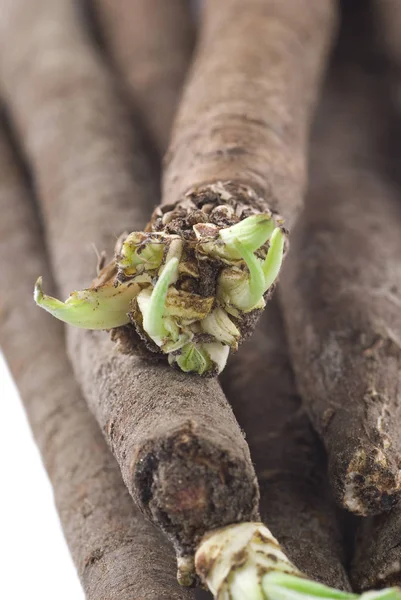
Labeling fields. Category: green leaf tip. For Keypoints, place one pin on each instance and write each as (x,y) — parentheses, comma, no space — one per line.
(94,308)
(281,586)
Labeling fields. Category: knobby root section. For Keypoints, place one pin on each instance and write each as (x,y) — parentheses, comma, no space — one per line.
(192,285)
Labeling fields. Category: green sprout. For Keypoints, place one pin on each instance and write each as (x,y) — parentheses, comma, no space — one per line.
(245,562)
(252,233)
(280,586)
(250,295)
(274,258)
(245,291)
(152,304)
(104,307)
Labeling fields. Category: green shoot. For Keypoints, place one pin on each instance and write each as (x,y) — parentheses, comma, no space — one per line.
(256,277)
(95,308)
(251,233)
(152,306)
(281,586)
(274,258)
(244,291)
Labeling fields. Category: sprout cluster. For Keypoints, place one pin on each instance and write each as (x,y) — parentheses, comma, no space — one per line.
(187,284)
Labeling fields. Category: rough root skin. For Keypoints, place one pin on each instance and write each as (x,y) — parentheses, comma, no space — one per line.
(343,316)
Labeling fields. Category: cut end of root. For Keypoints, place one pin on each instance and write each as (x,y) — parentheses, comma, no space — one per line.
(245,562)
(190,283)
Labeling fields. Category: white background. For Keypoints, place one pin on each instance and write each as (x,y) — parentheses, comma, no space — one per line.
(34,559)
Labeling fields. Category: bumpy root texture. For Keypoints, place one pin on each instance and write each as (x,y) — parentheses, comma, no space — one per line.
(244,116)
(289,459)
(180,450)
(377,559)
(341,289)
(151,43)
(117,553)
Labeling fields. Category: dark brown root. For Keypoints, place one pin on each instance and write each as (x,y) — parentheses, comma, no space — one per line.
(341,288)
